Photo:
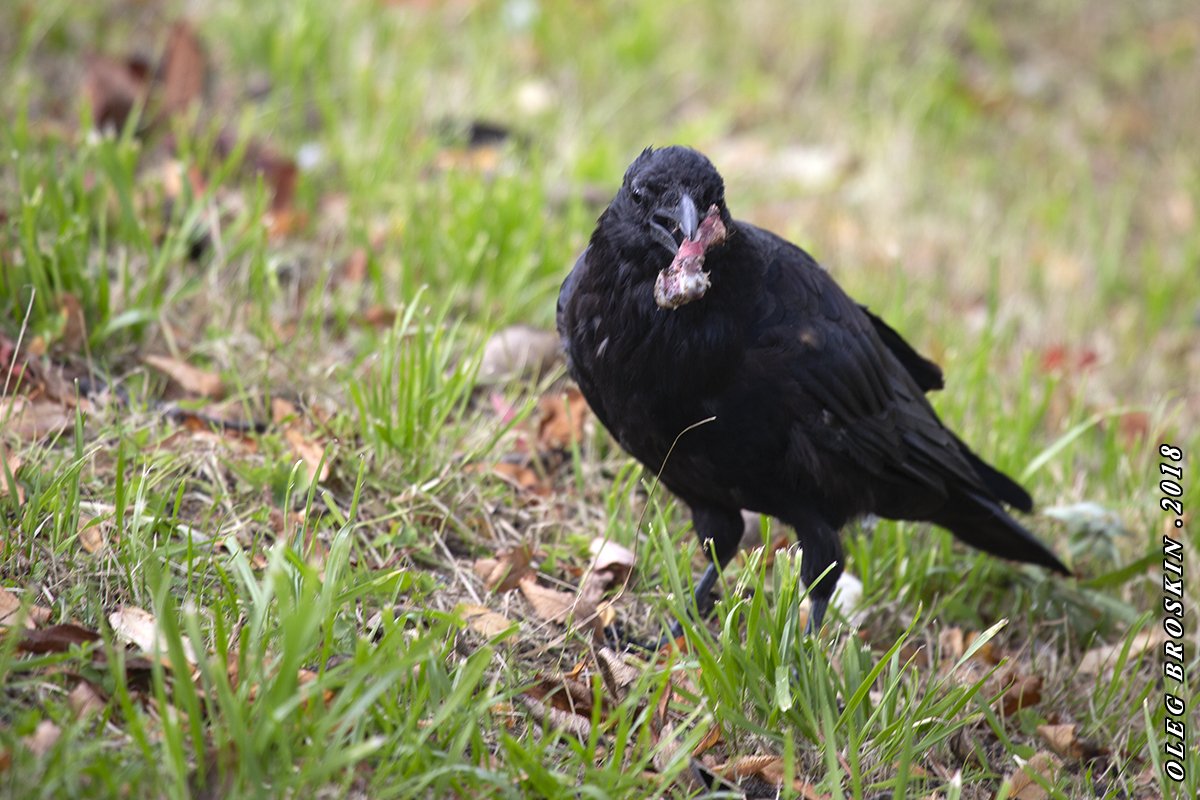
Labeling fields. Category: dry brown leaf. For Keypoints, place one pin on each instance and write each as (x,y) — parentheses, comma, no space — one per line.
(283,410)
(483,620)
(548,604)
(1065,742)
(43,738)
(1102,658)
(183,70)
(770,770)
(1023,787)
(506,570)
(609,556)
(311,453)
(112,88)
(986,653)
(952,644)
(563,415)
(139,628)
(85,700)
(192,380)
(91,534)
(710,740)
(519,352)
(56,639)
(30,420)
(557,718)
(10,609)
(74,332)
(354,268)
(616,672)
(1023,692)
(519,476)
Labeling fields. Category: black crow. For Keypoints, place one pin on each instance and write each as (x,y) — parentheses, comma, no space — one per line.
(727,360)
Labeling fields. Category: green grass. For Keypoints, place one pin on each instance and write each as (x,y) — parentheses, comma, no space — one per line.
(996,182)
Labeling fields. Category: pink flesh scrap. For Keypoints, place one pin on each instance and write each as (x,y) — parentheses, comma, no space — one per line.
(685,280)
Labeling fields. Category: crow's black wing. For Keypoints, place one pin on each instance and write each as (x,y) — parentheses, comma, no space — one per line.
(926,373)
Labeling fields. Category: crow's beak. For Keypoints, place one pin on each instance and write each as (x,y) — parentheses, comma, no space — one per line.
(670,226)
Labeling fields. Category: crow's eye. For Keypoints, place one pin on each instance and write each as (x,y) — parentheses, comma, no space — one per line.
(639,195)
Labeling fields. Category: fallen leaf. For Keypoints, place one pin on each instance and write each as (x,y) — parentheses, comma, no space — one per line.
(283,410)
(31,420)
(952,644)
(548,604)
(112,89)
(710,740)
(519,476)
(138,627)
(506,570)
(616,672)
(316,462)
(483,620)
(557,718)
(85,700)
(74,330)
(610,556)
(1022,785)
(92,533)
(56,639)
(1065,742)
(43,738)
(1023,692)
(183,70)
(769,769)
(354,268)
(1100,659)
(10,608)
(563,415)
(519,352)
(192,380)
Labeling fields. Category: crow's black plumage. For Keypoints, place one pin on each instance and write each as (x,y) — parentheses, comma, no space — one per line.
(818,410)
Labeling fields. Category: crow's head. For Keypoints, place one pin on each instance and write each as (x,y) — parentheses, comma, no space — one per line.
(666,193)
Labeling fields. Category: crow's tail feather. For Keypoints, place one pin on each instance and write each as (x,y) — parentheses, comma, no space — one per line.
(982,523)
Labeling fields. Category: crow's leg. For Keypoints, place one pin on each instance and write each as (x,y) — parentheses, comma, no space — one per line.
(720,533)
(821,566)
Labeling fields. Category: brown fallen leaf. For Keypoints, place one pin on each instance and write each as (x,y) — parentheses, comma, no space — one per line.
(610,556)
(548,604)
(316,462)
(74,330)
(85,700)
(1103,658)
(31,420)
(43,738)
(183,71)
(768,768)
(617,674)
(112,89)
(1023,692)
(1065,742)
(506,570)
(138,627)
(952,644)
(93,533)
(56,639)
(519,476)
(483,620)
(10,609)
(192,380)
(563,415)
(354,268)
(557,718)
(1022,785)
